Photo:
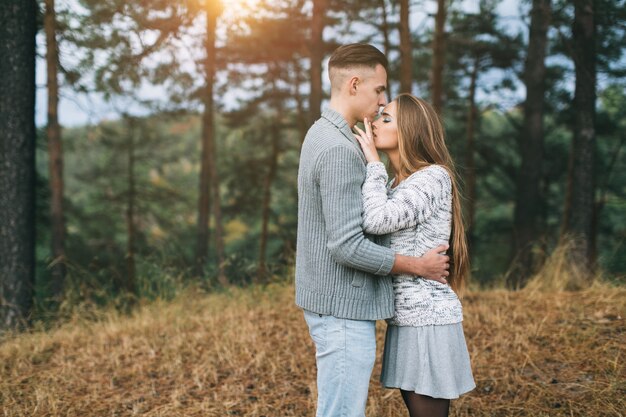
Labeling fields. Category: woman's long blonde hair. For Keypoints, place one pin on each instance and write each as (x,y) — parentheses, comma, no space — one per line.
(421,143)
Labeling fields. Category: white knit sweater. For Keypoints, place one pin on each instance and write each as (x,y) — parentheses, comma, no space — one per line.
(418,216)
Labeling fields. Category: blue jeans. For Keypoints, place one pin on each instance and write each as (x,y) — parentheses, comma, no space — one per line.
(345,355)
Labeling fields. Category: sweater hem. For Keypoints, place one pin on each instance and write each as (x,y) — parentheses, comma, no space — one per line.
(344,308)
(393,322)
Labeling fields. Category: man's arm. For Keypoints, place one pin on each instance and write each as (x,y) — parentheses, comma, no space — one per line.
(433,265)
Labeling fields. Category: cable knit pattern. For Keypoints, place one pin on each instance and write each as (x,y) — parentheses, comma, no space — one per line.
(339,270)
(418,216)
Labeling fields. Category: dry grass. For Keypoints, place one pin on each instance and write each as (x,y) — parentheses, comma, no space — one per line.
(559,273)
(248,353)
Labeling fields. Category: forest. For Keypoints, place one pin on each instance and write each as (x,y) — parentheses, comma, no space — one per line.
(189,175)
(149,154)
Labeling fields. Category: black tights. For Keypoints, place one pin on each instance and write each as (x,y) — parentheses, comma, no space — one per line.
(425,406)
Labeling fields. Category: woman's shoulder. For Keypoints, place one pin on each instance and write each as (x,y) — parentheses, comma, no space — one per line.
(432,172)
(432,180)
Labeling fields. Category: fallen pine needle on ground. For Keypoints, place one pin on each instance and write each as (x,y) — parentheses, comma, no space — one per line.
(247,352)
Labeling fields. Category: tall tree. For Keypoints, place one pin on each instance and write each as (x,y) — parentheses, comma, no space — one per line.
(318,22)
(470,151)
(274,132)
(131,201)
(275,43)
(439,56)
(580,225)
(55,154)
(529,202)
(609,34)
(209,181)
(385,31)
(384,26)
(406,55)
(18,25)
(122,47)
(478,44)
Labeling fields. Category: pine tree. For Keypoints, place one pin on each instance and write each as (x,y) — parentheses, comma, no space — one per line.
(17,161)
(209,181)
(580,225)
(55,155)
(406,55)
(318,22)
(439,55)
(529,204)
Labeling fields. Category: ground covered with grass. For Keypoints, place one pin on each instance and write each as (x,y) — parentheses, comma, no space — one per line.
(246,352)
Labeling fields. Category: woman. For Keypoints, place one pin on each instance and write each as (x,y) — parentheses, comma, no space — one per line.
(425,352)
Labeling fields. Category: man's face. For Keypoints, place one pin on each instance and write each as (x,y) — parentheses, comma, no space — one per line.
(371,95)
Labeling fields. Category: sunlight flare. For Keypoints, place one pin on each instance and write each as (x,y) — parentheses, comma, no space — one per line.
(240,8)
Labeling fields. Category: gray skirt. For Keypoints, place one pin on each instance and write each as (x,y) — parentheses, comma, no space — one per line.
(428,360)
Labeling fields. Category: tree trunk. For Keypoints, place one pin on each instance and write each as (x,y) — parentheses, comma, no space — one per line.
(439,57)
(55,156)
(301,120)
(602,191)
(267,196)
(384,28)
(580,225)
(209,181)
(130,210)
(527,229)
(567,201)
(217,216)
(317,55)
(406,57)
(470,167)
(17,161)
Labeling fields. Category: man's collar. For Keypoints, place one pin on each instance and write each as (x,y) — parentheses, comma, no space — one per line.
(340,123)
(335,118)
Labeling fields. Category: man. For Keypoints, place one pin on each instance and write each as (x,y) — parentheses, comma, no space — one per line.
(342,280)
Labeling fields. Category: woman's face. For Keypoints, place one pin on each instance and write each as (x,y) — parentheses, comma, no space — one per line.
(385,129)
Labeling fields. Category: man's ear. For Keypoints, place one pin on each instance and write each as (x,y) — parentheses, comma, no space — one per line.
(352,85)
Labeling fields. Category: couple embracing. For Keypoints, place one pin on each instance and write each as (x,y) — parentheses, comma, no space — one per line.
(370,249)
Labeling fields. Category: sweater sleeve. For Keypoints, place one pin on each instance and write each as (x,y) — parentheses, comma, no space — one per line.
(413,202)
(340,176)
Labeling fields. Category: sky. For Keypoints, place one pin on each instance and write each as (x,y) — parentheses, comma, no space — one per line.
(81,109)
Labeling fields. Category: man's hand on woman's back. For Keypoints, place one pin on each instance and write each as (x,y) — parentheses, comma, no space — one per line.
(433,265)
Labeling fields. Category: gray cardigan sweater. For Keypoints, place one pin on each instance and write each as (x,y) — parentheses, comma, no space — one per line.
(336,264)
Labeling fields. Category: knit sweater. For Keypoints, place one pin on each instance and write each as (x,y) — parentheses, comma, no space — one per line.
(418,215)
(339,270)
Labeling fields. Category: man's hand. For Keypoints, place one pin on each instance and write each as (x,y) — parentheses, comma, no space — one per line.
(433,265)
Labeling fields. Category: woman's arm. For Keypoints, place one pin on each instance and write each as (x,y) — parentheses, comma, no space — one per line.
(340,175)
(412,203)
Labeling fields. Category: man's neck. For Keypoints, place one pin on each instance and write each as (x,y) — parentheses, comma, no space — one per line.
(343,110)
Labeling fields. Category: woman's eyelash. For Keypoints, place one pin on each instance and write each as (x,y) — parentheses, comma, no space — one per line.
(386,120)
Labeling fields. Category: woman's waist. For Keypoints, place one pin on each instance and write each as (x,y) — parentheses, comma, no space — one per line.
(426,306)
(414,245)
(420,287)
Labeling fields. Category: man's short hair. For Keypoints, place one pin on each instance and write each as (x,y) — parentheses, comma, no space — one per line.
(357,55)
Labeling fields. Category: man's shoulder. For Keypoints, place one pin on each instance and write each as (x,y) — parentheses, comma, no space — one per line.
(323,136)
(322,131)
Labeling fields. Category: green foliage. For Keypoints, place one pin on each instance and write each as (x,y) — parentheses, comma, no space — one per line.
(118,47)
